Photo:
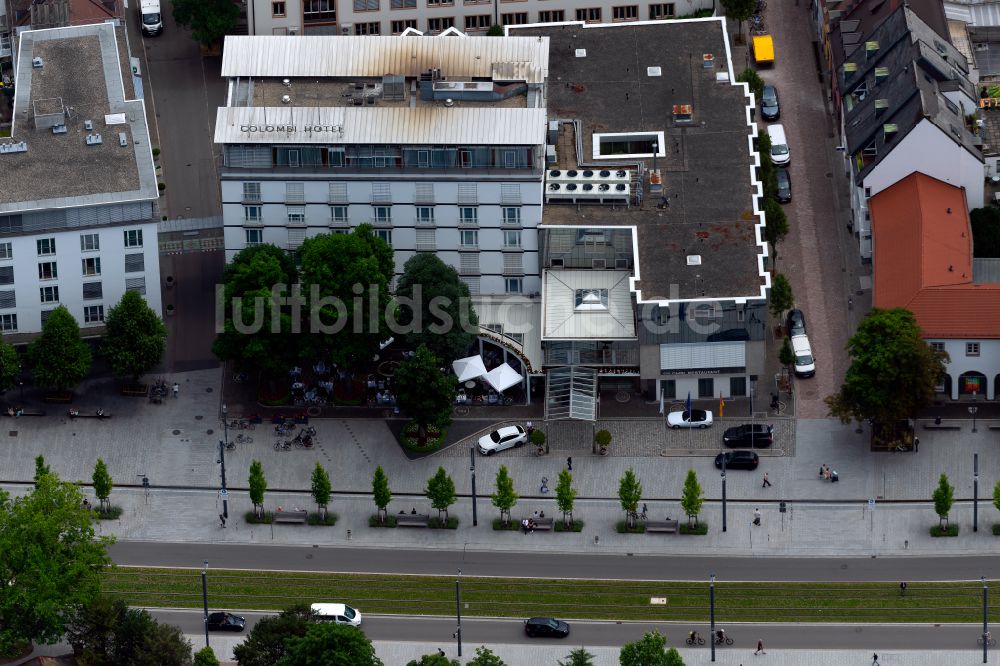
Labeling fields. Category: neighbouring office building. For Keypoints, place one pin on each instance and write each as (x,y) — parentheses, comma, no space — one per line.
(78,191)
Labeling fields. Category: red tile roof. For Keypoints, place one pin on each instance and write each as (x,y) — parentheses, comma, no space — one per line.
(922,245)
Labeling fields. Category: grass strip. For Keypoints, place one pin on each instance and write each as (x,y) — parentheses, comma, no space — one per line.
(592,599)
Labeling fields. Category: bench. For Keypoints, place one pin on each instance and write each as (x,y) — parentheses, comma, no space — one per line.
(544,524)
(290,516)
(90,415)
(135,390)
(942,426)
(996,427)
(27,412)
(670,526)
(413,520)
(65,396)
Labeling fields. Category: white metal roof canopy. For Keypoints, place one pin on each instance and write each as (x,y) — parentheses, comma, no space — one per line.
(471,367)
(571,394)
(503,377)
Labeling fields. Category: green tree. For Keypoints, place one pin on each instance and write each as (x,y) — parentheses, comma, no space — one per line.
(258,484)
(347,326)
(381,492)
(538,439)
(424,393)
(102,484)
(776,227)
(494,31)
(944,498)
(485,657)
(893,372)
(106,632)
(768,172)
(996,496)
(985,224)
(327,643)
(578,657)
(650,650)
(753,81)
(505,496)
(10,366)
(321,488)
(630,494)
(603,439)
(674,658)
(781,295)
(41,469)
(786,354)
(692,499)
(440,491)
(51,564)
(265,644)
(565,495)
(135,338)
(209,20)
(59,358)
(205,657)
(740,11)
(262,334)
(435,308)
(435,659)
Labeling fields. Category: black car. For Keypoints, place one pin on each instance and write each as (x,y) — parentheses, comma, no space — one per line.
(796,323)
(546,627)
(226,622)
(769,109)
(738,460)
(754,435)
(784,186)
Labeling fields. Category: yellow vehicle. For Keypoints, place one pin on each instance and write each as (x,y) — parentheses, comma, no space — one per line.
(763,50)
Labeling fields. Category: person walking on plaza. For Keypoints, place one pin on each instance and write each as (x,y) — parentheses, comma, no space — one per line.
(760,647)
(177,389)
(875,659)
(756,517)
(767,482)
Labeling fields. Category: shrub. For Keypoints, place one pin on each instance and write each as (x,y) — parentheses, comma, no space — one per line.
(950,531)
(996,529)
(161,186)
(111,513)
(390,521)
(752,79)
(622,528)
(156,152)
(435,438)
(266,519)
(438,524)
(560,526)
(498,524)
(701,529)
(318,519)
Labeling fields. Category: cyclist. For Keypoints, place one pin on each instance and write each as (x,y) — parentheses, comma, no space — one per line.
(720,636)
(693,637)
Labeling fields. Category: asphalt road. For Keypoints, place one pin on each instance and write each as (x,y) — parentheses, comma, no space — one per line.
(552,565)
(597,634)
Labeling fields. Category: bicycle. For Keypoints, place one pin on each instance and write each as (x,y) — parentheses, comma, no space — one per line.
(282,446)
(240,377)
(695,640)
(991,641)
(244,439)
(725,640)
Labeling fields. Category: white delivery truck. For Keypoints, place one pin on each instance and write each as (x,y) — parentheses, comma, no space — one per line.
(149,15)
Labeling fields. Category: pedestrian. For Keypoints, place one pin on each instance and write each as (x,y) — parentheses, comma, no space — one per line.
(529,428)
(440,652)
(177,389)
(902,589)
(569,463)
(524,525)
(875,659)
(756,517)
(760,647)
(222,519)
(767,483)
(644,511)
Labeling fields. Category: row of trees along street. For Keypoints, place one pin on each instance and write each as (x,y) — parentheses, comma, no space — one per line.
(59,359)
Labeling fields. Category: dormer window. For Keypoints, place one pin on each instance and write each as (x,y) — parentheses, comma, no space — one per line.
(591,300)
(871,48)
(889,130)
(881,74)
(880,106)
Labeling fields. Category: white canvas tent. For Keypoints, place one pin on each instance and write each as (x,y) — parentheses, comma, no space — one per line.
(468,368)
(503,377)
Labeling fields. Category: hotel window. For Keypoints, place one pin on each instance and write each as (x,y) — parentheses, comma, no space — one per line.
(90,243)
(440,24)
(512,239)
(135,262)
(92,266)
(468,215)
(93,291)
(661,10)
(46,246)
(8,323)
(382,214)
(626,13)
(513,285)
(136,284)
(385,235)
(552,16)
(277,9)
(133,237)
(254,236)
(590,15)
(252,213)
(972,349)
(470,238)
(6,251)
(425,215)
(296,215)
(478,22)
(517,18)
(511,215)
(737,386)
(49,294)
(338,214)
(93,314)
(319,10)
(373,28)
(7,275)
(366,5)
(48,271)
(400,26)
(403,4)
(440,3)
(706,387)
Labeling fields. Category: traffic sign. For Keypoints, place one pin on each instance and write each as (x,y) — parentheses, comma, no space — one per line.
(871,501)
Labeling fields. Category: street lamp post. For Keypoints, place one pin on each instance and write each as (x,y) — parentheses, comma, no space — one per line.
(204,596)
(472,469)
(458,610)
(222,461)
(986,619)
(972,410)
(711,613)
(975,492)
(20,386)
(723,491)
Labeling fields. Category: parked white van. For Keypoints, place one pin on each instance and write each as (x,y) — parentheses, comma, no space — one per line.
(805,364)
(779,145)
(337,613)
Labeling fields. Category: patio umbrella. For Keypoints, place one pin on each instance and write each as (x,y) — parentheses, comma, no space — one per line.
(503,377)
(469,368)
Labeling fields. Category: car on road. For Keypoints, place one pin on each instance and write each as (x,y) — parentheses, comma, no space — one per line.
(796,323)
(738,460)
(784,186)
(769,108)
(754,435)
(226,622)
(504,438)
(337,613)
(546,627)
(780,155)
(805,364)
(696,418)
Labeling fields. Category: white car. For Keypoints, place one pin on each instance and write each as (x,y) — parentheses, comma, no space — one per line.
(504,438)
(337,613)
(696,418)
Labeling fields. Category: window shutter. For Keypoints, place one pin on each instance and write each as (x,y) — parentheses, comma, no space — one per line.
(338,193)
(468,263)
(425,193)
(510,193)
(468,193)
(295,192)
(425,240)
(295,238)
(512,264)
(135,263)
(472,283)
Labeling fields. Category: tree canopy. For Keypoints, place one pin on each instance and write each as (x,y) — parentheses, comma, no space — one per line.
(345,281)
(436,304)
(505,496)
(10,366)
(257,484)
(135,339)
(106,632)
(321,488)
(265,644)
(565,495)
(776,227)
(440,491)
(380,491)
(102,483)
(434,659)
(893,372)
(209,20)
(739,10)
(261,337)
(578,657)
(424,393)
(328,643)
(630,494)
(692,499)
(650,650)
(205,657)
(944,498)
(52,562)
(485,657)
(59,358)
(781,295)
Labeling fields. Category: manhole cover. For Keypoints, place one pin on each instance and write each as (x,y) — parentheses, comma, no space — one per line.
(209,431)
(208,390)
(198,417)
(623,396)
(12,433)
(177,432)
(829,175)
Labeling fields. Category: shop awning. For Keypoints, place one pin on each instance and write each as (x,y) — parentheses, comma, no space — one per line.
(703,358)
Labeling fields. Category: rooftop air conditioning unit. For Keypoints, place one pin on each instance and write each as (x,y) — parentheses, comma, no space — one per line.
(346,28)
